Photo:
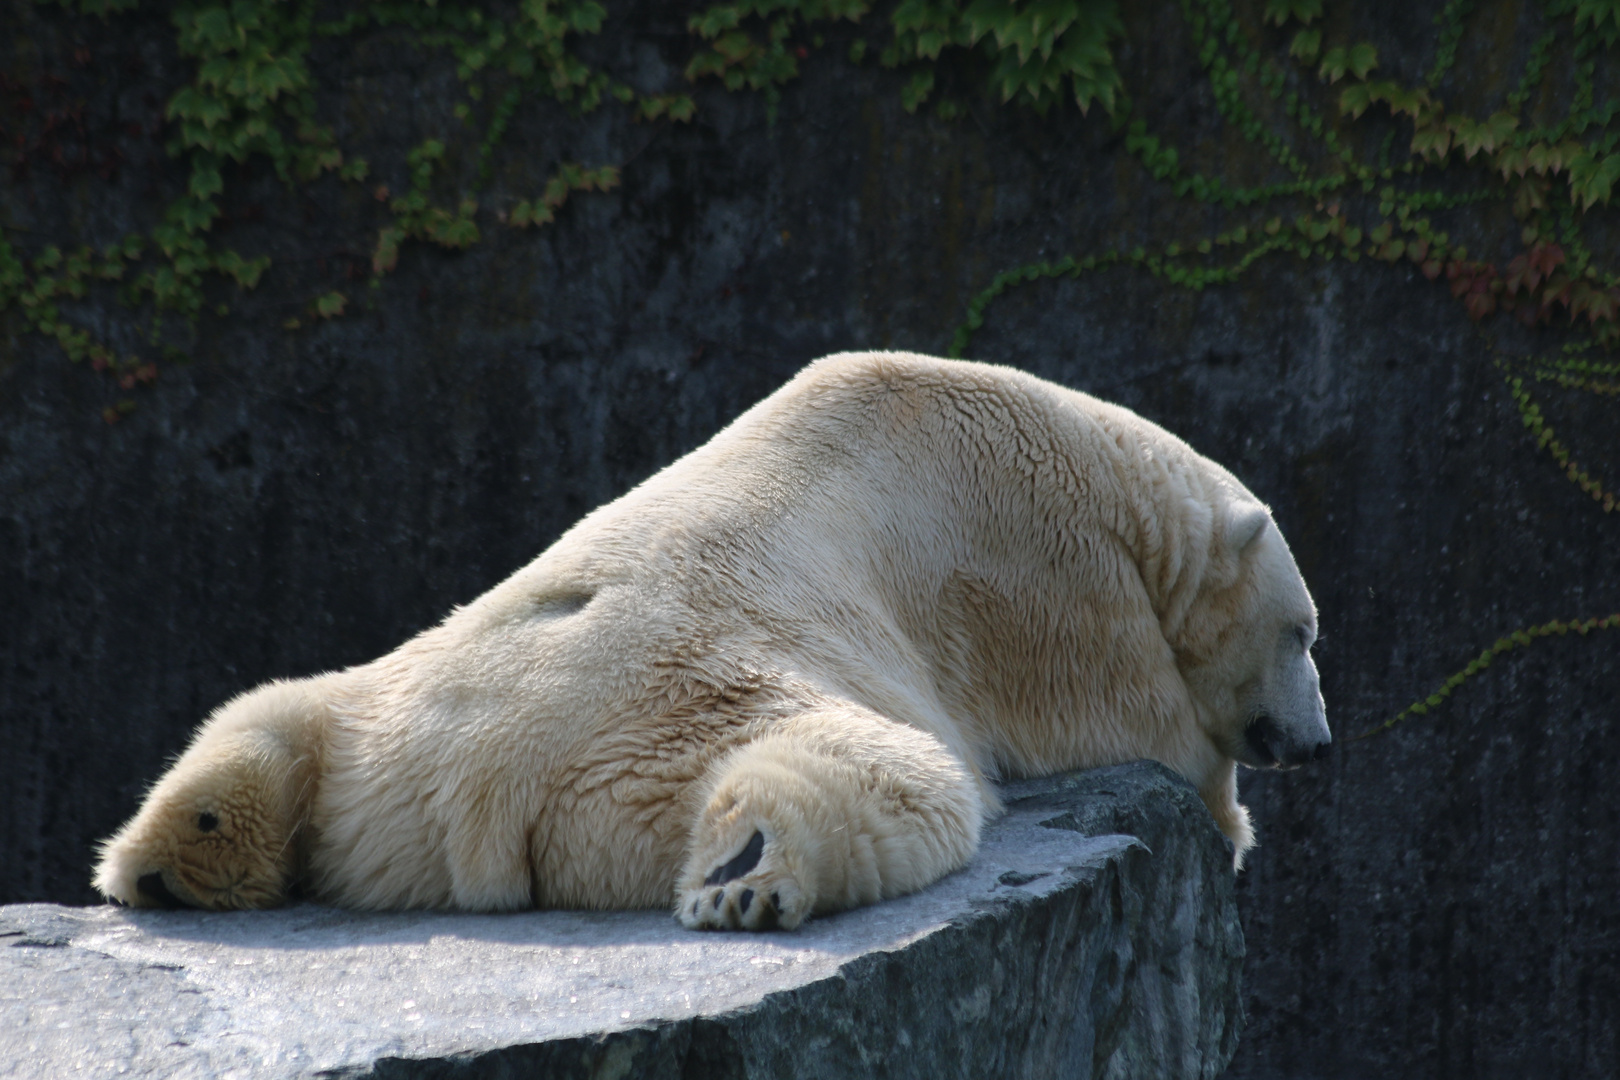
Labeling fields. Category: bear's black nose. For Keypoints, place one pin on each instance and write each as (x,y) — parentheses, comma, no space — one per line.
(1322,750)
(151,886)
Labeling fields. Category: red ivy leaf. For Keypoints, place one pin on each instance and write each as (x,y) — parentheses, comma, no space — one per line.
(1522,275)
(1546,258)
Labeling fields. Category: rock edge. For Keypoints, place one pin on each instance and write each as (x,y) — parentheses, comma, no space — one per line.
(1095,934)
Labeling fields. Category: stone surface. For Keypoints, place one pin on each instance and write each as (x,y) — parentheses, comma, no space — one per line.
(1095,934)
(287,502)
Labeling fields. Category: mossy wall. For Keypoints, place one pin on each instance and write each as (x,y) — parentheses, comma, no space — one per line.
(232,484)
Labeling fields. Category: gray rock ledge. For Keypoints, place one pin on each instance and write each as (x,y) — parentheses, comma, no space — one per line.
(1095,934)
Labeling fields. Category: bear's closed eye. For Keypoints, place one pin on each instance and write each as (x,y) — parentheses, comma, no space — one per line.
(207,822)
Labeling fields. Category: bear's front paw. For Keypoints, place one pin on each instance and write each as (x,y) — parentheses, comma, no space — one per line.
(751,890)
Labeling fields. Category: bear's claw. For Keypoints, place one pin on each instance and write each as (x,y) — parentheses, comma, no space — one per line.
(745,893)
(734,909)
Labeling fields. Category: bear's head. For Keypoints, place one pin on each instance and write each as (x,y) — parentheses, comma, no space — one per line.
(220,829)
(1244,647)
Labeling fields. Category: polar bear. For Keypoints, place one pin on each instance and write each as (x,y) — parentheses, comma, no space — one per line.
(779,677)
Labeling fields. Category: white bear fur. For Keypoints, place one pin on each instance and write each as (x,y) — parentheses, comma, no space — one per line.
(891,581)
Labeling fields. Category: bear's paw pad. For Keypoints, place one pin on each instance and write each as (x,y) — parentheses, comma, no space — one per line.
(749,891)
(746,860)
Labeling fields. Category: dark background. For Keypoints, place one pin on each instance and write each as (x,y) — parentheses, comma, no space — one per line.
(1438,901)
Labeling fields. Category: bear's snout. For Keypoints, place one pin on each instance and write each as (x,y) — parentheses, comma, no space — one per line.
(1272,747)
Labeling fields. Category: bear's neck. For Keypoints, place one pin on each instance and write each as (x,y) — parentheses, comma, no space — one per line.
(1170,510)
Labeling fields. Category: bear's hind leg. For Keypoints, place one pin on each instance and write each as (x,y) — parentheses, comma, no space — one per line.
(830,809)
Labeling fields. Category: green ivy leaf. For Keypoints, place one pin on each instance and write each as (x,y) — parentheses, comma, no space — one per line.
(1355,100)
(1358,60)
(1306,45)
(1592,179)
(1431,143)
(1485,135)
(587,18)
(710,24)
(331,305)
(1279,12)
(917,89)
(1599,12)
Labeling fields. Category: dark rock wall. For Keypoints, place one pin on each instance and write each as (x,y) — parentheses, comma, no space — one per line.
(1437,901)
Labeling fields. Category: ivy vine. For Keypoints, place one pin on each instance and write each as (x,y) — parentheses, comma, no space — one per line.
(252,99)
(1039,53)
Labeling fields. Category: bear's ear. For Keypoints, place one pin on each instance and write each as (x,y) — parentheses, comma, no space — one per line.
(1246,525)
